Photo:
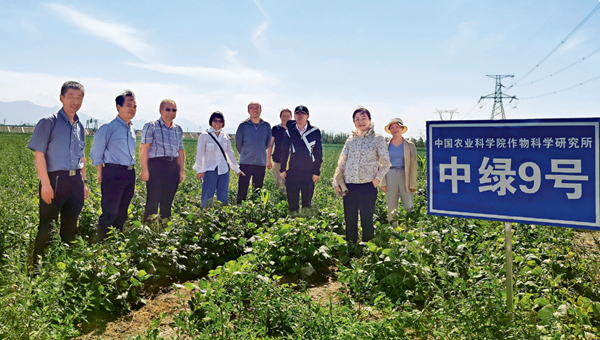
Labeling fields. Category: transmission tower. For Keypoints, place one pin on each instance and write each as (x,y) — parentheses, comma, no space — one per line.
(450,113)
(498,109)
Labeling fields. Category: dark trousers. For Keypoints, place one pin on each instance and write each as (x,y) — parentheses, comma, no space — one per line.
(257,172)
(161,186)
(118,185)
(360,197)
(68,202)
(294,184)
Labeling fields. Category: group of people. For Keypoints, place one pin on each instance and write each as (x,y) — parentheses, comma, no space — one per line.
(292,149)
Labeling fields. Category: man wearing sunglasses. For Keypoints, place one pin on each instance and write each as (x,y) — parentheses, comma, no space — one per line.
(162,159)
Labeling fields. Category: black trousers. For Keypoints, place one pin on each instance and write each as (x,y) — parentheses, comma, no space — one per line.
(294,184)
(161,186)
(360,197)
(68,202)
(257,172)
(118,185)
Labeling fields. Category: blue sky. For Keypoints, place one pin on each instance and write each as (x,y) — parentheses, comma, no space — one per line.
(397,58)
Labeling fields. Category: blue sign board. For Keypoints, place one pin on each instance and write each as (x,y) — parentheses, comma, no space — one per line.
(537,171)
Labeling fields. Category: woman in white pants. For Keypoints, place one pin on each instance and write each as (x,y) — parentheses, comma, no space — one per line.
(401,181)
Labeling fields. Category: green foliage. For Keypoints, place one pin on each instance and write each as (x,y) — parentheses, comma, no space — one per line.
(431,277)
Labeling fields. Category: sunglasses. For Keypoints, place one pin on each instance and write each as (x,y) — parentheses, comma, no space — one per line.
(220,121)
(168,109)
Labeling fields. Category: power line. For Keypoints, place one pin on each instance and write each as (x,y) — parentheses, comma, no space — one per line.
(560,44)
(564,68)
(565,89)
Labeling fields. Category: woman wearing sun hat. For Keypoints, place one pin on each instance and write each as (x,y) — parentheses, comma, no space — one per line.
(401,181)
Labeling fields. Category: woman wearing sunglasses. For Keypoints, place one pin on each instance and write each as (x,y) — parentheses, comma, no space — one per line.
(214,158)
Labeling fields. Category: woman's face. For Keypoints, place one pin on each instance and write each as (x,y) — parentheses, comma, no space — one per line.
(217,123)
(362,121)
(396,129)
(285,116)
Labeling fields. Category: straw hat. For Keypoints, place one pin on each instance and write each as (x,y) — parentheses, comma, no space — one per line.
(399,122)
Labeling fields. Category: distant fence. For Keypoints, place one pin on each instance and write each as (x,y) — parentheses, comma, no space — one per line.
(88,132)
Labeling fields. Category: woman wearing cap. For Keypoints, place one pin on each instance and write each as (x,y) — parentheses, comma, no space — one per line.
(363,163)
(214,157)
(401,181)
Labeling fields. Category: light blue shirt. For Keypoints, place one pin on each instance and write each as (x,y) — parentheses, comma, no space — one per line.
(61,142)
(114,142)
(397,155)
(252,141)
(164,141)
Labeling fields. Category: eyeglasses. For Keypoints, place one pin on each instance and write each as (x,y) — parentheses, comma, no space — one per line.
(220,121)
(168,109)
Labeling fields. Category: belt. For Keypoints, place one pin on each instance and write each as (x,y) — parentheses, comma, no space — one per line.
(166,159)
(112,165)
(69,173)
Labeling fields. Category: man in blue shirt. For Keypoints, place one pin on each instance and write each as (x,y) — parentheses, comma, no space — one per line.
(162,159)
(59,141)
(252,139)
(113,154)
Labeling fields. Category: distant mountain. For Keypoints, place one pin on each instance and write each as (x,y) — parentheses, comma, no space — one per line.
(25,112)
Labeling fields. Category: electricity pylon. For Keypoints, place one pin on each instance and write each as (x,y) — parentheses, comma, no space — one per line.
(450,113)
(498,109)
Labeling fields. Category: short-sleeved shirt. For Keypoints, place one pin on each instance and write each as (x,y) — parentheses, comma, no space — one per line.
(277,131)
(61,142)
(397,155)
(114,142)
(164,141)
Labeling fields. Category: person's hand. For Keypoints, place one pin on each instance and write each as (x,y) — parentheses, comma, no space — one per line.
(413,190)
(47,193)
(269,165)
(99,178)
(338,191)
(315,178)
(283,174)
(384,188)
(376,182)
(200,175)
(86,191)
(145,175)
(181,177)
(241,173)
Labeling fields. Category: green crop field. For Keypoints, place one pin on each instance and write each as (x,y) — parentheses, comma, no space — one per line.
(244,266)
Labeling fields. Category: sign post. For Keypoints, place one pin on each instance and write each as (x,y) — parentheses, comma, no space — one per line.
(534,171)
(509,281)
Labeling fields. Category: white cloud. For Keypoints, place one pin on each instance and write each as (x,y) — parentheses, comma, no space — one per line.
(121,35)
(260,8)
(236,75)
(459,40)
(259,38)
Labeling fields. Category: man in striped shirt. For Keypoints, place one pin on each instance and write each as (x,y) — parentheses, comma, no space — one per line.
(162,159)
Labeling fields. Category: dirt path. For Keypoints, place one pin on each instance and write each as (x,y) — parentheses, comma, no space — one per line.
(321,290)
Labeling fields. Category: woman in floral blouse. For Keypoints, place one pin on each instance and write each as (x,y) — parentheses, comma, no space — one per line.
(363,163)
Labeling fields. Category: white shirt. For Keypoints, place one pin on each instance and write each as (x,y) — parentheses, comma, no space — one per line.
(209,156)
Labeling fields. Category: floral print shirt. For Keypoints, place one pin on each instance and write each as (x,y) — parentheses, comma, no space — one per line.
(364,158)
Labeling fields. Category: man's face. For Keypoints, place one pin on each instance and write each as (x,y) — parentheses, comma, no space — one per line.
(285,117)
(72,100)
(128,110)
(301,118)
(168,112)
(254,110)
